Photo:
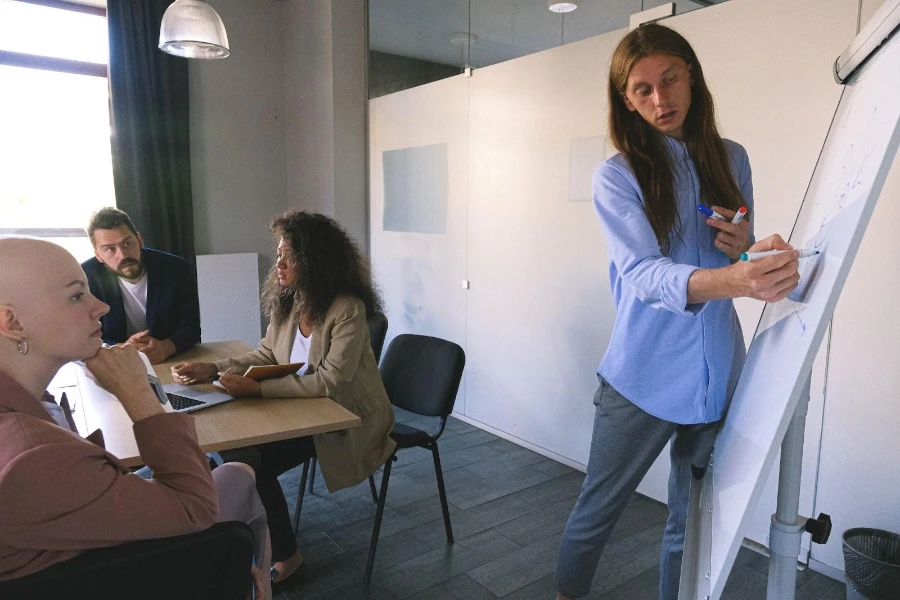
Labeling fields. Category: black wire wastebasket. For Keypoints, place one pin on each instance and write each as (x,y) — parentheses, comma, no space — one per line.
(872,563)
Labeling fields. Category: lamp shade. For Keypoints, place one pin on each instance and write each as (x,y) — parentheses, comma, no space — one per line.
(562,6)
(192,29)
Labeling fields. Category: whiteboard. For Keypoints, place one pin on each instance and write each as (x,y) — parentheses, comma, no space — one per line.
(858,151)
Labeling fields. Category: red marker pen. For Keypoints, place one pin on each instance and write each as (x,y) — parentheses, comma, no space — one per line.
(742,211)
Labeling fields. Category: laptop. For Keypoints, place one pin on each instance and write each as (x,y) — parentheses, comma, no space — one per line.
(183,398)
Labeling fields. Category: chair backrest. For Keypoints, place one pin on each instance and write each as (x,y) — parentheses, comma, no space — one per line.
(421,374)
(378,325)
(213,564)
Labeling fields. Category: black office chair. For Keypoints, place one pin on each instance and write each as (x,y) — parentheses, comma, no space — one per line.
(213,564)
(421,375)
(378,325)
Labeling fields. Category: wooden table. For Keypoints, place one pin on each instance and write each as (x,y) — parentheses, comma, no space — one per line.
(230,425)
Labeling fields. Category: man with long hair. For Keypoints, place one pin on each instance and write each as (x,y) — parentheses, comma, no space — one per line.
(676,349)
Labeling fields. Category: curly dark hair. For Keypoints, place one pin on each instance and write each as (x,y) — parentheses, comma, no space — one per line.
(327,263)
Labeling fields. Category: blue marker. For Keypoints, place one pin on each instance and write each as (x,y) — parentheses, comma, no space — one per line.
(710,212)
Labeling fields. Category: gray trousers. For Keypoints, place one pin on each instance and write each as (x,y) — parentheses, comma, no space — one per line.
(625,442)
(239,501)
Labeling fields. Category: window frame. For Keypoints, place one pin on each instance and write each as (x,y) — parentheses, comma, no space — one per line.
(60,65)
(49,63)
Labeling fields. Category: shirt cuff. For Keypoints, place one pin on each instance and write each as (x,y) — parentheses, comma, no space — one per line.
(674,290)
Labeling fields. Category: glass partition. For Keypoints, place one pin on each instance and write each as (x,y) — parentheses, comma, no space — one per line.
(414,42)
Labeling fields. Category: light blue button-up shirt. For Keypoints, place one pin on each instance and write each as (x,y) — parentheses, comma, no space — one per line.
(677,361)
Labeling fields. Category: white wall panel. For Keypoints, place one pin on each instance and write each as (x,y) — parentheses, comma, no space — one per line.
(421,274)
(229,297)
(540,310)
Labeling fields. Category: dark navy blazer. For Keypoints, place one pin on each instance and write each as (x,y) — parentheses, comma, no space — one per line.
(173,308)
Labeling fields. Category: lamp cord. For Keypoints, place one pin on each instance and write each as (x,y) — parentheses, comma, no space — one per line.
(562,29)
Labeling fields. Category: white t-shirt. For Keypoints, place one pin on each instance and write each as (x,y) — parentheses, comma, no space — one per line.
(300,351)
(134,297)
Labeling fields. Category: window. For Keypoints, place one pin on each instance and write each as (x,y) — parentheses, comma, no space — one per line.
(55,158)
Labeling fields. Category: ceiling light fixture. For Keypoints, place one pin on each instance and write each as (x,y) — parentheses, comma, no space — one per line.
(461,38)
(562,7)
(192,29)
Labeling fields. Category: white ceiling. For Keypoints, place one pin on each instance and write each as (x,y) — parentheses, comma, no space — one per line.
(503,29)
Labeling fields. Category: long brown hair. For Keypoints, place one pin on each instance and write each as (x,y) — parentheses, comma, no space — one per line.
(327,264)
(645,148)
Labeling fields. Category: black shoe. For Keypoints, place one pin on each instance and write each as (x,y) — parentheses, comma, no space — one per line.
(298,576)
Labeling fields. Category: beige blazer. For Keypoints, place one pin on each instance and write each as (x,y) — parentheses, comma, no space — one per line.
(341,367)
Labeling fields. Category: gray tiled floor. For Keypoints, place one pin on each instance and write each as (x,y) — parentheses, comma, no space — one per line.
(508,507)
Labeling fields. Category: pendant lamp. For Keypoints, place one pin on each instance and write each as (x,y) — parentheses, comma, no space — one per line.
(559,6)
(192,29)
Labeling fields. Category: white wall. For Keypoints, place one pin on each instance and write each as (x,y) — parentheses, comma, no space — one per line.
(350,59)
(867,8)
(237,132)
(538,313)
(325,89)
(309,150)
(280,123)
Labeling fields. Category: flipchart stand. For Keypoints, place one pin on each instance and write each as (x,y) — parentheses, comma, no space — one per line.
(788,526)
(785,534)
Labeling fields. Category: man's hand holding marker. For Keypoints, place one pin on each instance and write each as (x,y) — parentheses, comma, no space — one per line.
(734,232)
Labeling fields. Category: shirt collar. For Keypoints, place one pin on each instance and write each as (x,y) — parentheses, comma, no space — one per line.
(677,148)
(15,398)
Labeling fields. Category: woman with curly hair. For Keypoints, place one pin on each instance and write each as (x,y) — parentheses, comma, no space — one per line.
(317,297)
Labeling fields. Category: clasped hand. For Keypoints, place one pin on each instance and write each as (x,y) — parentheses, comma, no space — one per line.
(121,372)
(155,350)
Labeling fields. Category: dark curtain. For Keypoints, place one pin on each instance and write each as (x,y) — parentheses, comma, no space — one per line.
(151,139)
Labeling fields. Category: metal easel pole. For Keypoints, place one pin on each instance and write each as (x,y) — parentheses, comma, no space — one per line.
(787,527)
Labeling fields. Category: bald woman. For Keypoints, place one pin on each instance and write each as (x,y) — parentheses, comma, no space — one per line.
(62,494)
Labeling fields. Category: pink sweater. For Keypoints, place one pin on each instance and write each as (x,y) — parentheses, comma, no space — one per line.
(61,494)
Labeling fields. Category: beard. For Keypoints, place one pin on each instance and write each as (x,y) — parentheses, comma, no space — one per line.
(130,268)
